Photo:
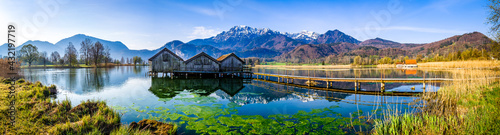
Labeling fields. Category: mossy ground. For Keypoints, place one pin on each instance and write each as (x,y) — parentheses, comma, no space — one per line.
(37,113)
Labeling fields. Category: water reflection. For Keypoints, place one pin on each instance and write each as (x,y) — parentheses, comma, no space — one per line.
(233,90)
(169,88)
(83,80)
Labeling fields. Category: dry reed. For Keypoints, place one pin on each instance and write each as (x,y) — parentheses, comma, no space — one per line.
(461,64)
(457,108)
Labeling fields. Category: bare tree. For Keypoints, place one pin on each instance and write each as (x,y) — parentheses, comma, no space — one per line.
(122,61)
(54,57)
(71,55)
(97,53)
(43,57)
(85,49)
(107,56)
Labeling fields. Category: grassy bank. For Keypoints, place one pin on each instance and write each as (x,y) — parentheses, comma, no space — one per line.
(468,105)
(37,113)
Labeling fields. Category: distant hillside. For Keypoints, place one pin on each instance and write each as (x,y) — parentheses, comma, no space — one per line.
(380,43)
(309,51)
(370,50)
(258,52)
(455,43)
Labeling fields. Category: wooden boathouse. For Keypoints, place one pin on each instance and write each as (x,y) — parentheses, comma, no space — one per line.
(230,62)
(165,62)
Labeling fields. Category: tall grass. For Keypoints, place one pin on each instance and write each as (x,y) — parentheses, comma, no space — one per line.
(5,68)
(462,64)
(467,105)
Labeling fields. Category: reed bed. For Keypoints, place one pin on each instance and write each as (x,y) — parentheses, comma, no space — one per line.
(5,68)
(468,105)
(386,66)
(461,64)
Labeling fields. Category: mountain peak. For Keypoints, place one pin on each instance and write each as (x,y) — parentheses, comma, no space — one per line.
(80,35)
(334,36)
(333,31)
(304,36)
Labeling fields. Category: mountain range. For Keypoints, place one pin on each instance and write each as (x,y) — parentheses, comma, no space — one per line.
(246,41)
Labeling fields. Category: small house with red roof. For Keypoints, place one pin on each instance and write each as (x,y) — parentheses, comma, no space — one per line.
(407,64)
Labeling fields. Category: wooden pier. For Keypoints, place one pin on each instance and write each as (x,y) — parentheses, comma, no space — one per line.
(289,79)
(346,91)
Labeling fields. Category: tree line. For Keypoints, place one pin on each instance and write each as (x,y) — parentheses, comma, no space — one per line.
(90,54)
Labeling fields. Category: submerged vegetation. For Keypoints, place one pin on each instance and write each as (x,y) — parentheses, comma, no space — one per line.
(224,119)
(37,113)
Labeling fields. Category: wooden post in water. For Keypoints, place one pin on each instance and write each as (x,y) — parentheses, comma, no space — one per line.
(424,82)
(424,85)
(382,86)
(355,85)
(327,84)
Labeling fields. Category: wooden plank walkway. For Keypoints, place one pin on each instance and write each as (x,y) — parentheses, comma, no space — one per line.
(289,79)
(333,91)
(374,80)
(392,93)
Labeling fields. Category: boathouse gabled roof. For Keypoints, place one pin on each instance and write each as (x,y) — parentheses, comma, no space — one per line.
(223,57)
(199,55)
(165,49)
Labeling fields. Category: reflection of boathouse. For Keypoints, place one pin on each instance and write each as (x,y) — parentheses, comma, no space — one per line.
(169,88)
(165,61)
(234,90)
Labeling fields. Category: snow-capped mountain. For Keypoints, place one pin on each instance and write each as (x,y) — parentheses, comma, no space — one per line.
(243,32)
(247,38)
(304,36)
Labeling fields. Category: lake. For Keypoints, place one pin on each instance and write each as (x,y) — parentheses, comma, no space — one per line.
(224,105)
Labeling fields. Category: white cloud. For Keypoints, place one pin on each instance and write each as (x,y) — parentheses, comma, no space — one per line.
(202,32)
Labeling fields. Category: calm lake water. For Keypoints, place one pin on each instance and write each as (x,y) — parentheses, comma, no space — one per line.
(235,105)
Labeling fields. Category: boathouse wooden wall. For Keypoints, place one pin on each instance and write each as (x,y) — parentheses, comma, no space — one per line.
(231,63)
(166,62)
(202,63)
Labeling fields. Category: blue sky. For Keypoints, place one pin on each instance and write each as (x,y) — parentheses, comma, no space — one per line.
(149,24)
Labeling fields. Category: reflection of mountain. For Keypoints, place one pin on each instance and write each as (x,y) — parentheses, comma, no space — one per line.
(168,88)
(263,93)
(236,92)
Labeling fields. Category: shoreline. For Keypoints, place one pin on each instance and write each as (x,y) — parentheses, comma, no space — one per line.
(41,67)
(472,64)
